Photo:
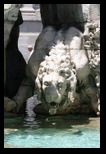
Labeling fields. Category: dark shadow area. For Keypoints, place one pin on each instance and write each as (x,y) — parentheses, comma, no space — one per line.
(15,63)
(41,121)
(60,15)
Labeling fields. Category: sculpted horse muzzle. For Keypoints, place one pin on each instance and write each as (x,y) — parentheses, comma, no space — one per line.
(54,91)
(53,88)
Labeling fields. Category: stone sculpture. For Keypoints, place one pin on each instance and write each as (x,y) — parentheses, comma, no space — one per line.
(61,68)
(10,16)
(62,73)
(15,63)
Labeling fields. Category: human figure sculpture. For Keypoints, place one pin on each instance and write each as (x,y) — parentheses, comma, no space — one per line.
(15,63)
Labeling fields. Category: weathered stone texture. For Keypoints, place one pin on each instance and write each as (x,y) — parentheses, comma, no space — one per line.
(94,13)
(65,44)
(10,16)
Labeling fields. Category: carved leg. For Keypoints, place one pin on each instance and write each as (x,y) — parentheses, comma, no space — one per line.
(91,91)
(25,91)
(41,49)
(9,104)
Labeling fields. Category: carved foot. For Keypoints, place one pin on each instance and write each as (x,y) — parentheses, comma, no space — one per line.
(9,105)
(92,93)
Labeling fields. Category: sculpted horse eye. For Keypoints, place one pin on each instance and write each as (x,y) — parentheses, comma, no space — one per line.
(46,83)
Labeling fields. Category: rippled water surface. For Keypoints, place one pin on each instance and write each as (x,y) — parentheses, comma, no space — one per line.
(52,132)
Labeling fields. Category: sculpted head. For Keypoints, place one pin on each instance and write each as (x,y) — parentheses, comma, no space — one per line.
(53,88)
(54,80)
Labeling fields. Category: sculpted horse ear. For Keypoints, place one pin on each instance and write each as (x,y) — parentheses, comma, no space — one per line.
(65,73)
(38,88)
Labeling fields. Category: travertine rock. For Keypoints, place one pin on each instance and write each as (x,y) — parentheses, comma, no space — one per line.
(66,59)
(92,46)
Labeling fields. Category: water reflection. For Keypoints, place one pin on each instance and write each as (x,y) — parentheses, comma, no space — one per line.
(52,132)
(31,122)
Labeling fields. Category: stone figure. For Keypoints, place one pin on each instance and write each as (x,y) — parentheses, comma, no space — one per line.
(15,63)
(57,78)
(59,70)
(10,16)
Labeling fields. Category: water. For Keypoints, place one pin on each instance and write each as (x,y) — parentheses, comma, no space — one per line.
(52,132)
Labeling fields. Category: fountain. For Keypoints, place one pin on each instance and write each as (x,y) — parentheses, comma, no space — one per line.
(62,83)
